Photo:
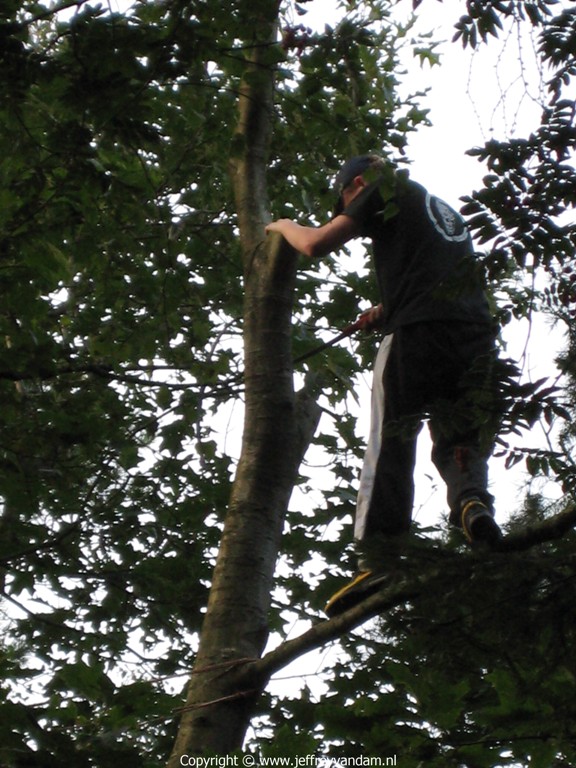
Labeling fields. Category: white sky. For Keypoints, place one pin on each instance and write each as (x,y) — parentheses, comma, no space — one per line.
(492,92)
(472,97)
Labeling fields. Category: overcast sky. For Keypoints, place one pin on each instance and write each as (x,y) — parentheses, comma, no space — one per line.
(493,92)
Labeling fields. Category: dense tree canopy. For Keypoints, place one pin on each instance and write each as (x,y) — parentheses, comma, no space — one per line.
(143,150)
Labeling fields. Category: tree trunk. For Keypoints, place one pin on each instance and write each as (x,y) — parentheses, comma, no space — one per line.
(278,427)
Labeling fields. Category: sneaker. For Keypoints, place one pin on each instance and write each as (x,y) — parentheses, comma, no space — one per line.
(478,523)
(364,584)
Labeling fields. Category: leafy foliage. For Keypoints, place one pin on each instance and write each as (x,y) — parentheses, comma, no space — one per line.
(121,326)
(475,667)
(120,359)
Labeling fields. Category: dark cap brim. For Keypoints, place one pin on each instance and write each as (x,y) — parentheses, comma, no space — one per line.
(346,175)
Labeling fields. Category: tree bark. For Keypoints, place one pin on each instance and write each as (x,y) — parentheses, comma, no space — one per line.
(278,427)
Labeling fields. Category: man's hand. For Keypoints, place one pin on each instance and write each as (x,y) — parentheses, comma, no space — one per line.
(279,225)
(316,241)
(372,318)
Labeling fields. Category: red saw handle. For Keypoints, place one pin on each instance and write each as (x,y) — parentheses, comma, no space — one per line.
(348,331)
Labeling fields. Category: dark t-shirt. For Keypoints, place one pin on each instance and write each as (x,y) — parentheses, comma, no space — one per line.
(423,255)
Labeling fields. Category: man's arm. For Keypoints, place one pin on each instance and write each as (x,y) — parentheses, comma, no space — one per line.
(316,241)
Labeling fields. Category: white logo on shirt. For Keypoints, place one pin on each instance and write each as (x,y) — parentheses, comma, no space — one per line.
(445,220)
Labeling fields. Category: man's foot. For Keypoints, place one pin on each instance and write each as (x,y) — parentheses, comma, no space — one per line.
(364,584)
(478,523)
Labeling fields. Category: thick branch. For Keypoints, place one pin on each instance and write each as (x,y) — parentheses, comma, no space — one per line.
(548,530)
(326,631)
(399,593)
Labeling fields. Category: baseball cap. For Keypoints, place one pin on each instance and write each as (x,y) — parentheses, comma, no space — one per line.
(351,168)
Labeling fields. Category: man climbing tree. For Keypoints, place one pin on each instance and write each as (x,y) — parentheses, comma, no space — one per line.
(434,360)
(155,575)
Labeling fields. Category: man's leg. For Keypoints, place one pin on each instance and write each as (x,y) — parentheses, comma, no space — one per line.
(464,468)
(372,452)
(386,492)
(462,465)
(463,434)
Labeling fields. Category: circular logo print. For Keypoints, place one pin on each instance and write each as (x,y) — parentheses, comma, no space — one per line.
(445,220)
